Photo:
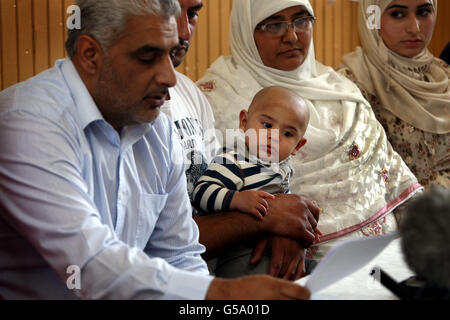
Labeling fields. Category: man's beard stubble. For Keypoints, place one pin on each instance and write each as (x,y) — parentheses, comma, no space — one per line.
(112,106)
(177,61)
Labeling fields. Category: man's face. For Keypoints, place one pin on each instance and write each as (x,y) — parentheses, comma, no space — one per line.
(137,71)
(187,22)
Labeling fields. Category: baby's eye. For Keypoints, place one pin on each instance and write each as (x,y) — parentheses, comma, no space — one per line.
(287,134)
(267,125)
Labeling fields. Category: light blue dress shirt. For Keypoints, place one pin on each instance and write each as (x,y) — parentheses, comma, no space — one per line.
(75,194)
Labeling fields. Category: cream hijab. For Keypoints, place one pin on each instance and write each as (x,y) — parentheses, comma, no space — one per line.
(311,80)
(415,90)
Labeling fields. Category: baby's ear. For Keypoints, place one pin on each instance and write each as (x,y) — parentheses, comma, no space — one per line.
(243,120)
(299,145)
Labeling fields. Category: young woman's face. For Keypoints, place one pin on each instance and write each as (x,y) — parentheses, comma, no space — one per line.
(407,26)
(288,51)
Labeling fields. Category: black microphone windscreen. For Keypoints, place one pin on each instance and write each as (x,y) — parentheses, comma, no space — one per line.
(425,233)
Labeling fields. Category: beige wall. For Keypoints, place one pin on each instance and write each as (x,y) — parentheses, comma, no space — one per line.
(32,35)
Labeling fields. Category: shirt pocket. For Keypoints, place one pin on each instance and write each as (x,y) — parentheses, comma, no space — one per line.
(150,208)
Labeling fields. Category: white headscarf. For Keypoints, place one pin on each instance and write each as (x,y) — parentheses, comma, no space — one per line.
(311,80)
(353,191)
(416,90)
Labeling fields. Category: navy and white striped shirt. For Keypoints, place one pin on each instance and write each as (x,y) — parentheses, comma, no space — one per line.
(231,172)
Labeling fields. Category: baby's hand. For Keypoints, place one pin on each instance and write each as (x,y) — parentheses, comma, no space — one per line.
(251,201)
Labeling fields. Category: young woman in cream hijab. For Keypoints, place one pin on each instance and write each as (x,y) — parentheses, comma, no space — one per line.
(407,87)
(347,166)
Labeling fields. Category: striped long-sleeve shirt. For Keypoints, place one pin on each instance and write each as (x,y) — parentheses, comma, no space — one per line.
(231,172)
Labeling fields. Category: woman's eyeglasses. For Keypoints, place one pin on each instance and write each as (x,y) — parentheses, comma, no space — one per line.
(280,28)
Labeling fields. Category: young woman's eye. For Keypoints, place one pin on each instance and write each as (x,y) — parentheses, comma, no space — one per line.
(424,12)
(267,125)
(397,14)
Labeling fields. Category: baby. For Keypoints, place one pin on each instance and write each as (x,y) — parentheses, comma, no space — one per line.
(243,178)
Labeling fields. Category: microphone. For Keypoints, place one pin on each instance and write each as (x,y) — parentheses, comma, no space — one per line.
(425,234)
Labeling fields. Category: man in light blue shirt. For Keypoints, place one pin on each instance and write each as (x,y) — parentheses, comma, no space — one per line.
(93,200)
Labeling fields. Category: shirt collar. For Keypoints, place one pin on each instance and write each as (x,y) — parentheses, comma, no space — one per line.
(86,107)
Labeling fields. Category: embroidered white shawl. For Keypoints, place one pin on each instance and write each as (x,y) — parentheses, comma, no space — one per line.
(348,167)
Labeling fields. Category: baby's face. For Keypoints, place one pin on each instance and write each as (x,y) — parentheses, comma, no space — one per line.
(275,127)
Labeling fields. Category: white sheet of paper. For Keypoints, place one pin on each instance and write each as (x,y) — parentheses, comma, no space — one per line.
(345,258)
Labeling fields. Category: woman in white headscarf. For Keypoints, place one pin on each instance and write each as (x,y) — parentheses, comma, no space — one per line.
(406,85)
(347,166)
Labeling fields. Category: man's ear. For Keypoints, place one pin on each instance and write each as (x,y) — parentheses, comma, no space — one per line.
(89,55)
(243,120)
(299,145)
